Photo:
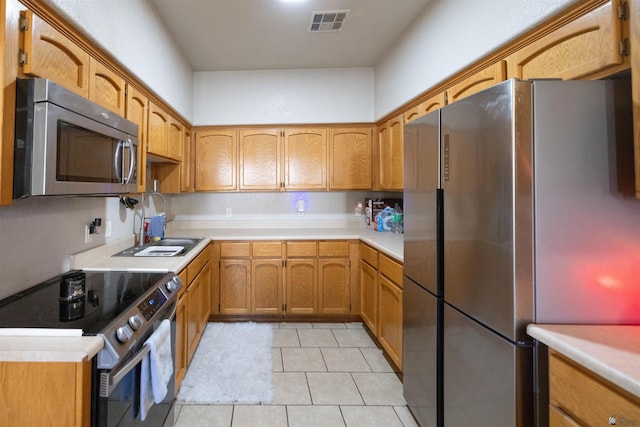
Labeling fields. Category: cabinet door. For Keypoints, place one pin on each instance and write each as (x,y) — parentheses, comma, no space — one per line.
(305,159)
(136,111)
(369,296)
(216,160)
(425,107)
(235,286)
(490,76)
(52,55)
(205,294)
(390,155)
(578,49)
(266,275)
(587,397)
(350,158)
(106,88)
(158,131)
(194,301)
(174,139)
(186,166)
(333,281)
(302,286)
(390,319)
(46,393)
(181,341)
(260,155)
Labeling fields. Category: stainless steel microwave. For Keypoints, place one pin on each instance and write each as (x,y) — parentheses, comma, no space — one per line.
(68,145)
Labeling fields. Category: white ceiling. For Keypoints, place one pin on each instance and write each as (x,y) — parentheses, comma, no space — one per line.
(218,35)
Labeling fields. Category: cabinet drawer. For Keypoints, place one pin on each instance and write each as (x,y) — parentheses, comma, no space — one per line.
(557,418)
(267,249)
(369,255)
(196,265)
(584,396)
(334,249)
(390,268)
(235,249)
(302,249)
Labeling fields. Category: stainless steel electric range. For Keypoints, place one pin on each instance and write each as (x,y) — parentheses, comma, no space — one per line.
(124,308)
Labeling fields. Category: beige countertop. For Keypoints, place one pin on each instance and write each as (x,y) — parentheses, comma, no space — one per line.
(611,351)
(48,348)
(77,349)
(99,259)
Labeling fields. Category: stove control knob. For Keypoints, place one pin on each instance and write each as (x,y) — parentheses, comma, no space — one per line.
(172,284)
(135,322)
(124,333)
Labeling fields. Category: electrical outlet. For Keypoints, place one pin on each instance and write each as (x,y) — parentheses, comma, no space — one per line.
(88,237)
(107,230)
(228,212)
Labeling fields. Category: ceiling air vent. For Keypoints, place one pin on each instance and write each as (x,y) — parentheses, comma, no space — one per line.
(329,20)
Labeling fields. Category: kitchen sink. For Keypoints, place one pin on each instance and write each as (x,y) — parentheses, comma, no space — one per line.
(171,246)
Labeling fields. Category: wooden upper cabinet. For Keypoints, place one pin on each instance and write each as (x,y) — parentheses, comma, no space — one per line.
(48,53)
(136,111)
(576,50)
(186,167)
(483,79)
(106,88)
(390,155)
(174,139)
(305,159)
(260,153)
(158,135)
(350,158)
(432,103)
(216,160)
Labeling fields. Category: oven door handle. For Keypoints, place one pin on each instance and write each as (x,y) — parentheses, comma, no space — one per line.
(109,381)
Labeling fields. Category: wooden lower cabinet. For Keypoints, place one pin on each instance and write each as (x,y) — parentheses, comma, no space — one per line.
(45,393)
(266,286)
(280,278)
(580,397)
(181,340)
(192,311)
(390,318)
(369,295)
(381,300)
(334,295)
(301,284)
(235,286)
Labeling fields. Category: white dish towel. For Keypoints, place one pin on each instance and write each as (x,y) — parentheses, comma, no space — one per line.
(156,368)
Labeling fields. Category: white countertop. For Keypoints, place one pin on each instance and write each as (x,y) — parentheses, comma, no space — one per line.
(99,259)
(77,349)
(611,351)
(49,348)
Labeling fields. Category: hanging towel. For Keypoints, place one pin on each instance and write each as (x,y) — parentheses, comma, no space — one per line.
(156,368)
(156,226)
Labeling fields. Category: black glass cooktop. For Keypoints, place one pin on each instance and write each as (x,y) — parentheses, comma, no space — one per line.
(76,300)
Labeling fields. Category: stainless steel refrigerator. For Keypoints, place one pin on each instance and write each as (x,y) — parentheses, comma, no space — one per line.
(516,211)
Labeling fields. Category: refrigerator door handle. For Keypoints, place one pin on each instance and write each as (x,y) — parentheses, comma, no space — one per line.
(445,158)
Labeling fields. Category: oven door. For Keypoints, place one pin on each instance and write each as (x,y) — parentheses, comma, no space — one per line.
(116,392)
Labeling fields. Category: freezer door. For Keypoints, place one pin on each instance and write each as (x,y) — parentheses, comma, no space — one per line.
(422,378)
(486,179)
(488,380)
(421,181)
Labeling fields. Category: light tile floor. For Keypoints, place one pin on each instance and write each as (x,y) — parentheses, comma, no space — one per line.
(324,375)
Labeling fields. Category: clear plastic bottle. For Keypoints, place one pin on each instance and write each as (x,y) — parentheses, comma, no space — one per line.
(397,224)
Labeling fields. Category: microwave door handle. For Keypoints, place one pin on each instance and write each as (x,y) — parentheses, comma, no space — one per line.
(132,160)
(118,160)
